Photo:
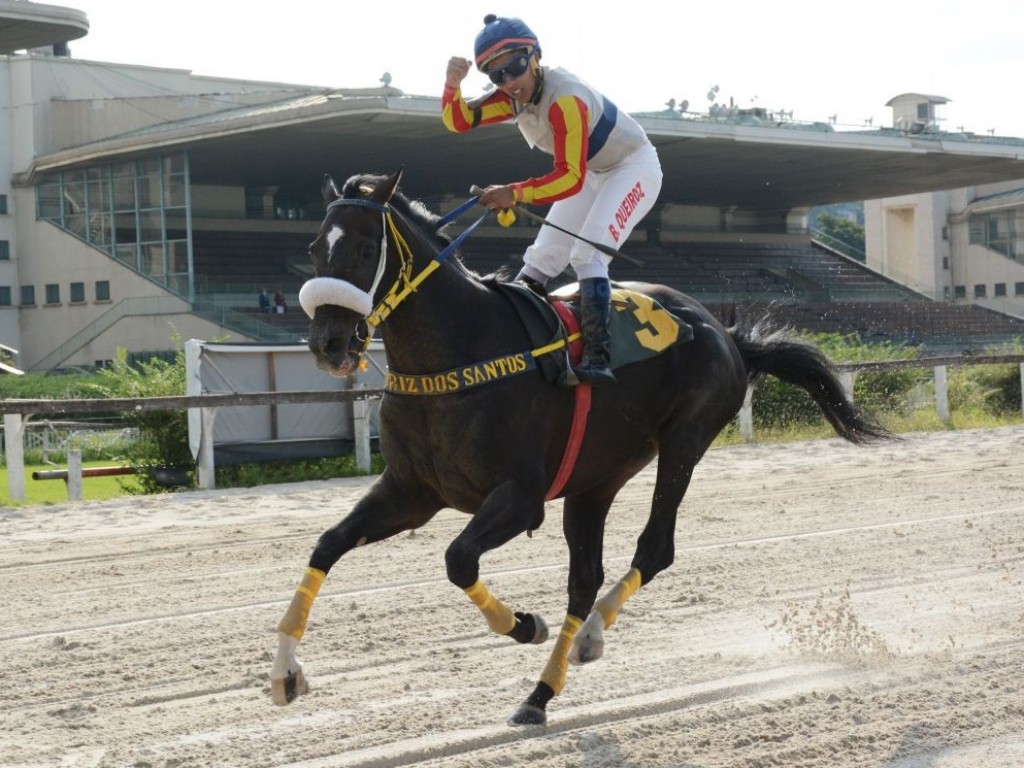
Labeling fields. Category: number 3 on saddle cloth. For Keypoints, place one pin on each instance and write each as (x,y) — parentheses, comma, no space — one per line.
(639,326)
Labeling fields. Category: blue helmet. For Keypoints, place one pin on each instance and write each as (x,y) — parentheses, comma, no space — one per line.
(500,35)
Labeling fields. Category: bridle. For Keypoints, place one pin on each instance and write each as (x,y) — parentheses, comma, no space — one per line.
(332,290)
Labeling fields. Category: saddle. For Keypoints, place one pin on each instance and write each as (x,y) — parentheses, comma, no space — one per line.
(640,327)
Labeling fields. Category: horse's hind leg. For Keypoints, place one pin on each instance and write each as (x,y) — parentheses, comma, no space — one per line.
(583,525)
(384,511)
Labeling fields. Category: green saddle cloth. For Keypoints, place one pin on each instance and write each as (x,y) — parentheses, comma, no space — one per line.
(640,327)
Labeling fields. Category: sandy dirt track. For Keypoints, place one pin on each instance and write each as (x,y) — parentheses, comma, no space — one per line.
(829,606)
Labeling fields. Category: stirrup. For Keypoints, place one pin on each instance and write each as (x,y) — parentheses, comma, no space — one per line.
(595,374)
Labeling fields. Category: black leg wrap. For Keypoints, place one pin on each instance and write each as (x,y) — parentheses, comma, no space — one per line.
(525,629)
(532,711)
(540,697)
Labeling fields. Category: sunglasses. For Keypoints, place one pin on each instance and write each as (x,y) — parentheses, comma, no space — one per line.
(513,69)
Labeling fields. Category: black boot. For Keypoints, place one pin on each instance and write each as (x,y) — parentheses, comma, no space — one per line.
(595,306)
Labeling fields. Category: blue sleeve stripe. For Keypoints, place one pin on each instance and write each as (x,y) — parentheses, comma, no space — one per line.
(603,128)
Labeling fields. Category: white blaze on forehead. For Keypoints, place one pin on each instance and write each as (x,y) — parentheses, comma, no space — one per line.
(333,237)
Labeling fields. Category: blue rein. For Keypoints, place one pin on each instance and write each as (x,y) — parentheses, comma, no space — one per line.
(446,219)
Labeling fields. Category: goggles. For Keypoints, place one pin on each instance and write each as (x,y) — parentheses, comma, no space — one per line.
(513,69)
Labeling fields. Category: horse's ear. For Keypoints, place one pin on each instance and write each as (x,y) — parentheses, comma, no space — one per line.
(329,190)
(383,192)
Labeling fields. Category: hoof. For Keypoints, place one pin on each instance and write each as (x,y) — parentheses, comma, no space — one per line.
(588,645)
(540,631)
(586,651)
(530,628)
(285,690)
(528,714)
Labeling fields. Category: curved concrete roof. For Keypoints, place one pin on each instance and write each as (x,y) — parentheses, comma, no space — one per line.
(772,167)
(25,25)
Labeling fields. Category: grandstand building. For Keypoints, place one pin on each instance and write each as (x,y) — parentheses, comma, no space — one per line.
(138,204)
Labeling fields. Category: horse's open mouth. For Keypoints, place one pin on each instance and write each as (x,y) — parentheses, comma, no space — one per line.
(339,358)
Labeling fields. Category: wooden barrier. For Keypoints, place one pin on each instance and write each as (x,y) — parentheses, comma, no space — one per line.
(14,411)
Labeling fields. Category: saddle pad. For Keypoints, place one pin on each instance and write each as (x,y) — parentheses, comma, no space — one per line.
(640,327)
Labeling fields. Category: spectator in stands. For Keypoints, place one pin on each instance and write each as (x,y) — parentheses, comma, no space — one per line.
(264,299)
(279,305)
(606,174)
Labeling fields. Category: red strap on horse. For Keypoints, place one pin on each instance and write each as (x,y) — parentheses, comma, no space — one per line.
(581,405)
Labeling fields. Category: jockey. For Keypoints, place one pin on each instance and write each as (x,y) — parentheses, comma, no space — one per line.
(606,174)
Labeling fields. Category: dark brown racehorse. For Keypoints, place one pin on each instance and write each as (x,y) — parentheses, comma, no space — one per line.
(493,451)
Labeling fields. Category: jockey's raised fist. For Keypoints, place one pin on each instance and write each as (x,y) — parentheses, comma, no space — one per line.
(458,68)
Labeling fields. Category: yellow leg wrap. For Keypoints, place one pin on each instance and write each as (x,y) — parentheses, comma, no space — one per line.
(499,616)
(294,620)
(558,664)
(609,605)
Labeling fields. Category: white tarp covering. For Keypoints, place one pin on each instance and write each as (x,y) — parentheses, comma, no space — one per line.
(277,431)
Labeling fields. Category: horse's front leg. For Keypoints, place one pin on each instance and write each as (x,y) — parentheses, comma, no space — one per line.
(507,511)
(583,525)
(387,509)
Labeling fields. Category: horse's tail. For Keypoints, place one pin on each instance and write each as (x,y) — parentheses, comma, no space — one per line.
(778,353)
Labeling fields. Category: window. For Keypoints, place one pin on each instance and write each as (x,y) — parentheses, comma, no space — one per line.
(980,291)
(1000,289)
(102,290)
(960,292)
(52,293)
(5,250)
(78,293)
(28,295)
(5,295)
(3,203)
(1018,289)
(945,263)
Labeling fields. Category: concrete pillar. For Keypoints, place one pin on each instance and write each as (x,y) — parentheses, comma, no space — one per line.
(942,393)
(74,481)
(361,431)
(205,474)
(747,416)
(15,448)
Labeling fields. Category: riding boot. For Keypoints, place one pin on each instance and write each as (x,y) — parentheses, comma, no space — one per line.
(595,307)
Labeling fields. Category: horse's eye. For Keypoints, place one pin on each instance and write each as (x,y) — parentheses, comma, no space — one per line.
(368,251)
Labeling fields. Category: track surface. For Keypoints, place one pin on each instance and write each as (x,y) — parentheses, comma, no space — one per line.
(829,606)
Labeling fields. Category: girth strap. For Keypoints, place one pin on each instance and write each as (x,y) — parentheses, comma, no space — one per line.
(580,409)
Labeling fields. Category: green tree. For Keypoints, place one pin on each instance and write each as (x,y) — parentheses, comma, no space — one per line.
(164,444)
(843,230)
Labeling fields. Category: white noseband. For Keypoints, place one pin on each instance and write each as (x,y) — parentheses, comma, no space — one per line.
(331,290)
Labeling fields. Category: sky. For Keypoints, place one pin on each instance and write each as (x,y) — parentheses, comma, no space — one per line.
(810,57)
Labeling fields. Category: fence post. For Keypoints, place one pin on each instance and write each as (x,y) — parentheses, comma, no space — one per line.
(941,393)
(847,378)
(361,431)
(74,481)
(747,416)
(205,471)
(15,447)
(1022,388)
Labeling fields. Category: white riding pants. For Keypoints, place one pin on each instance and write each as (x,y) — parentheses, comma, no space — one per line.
(607,208)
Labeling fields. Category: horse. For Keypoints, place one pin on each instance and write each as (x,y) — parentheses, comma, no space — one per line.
(495,451)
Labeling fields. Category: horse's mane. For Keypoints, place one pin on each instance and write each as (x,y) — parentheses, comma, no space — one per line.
(416,213)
